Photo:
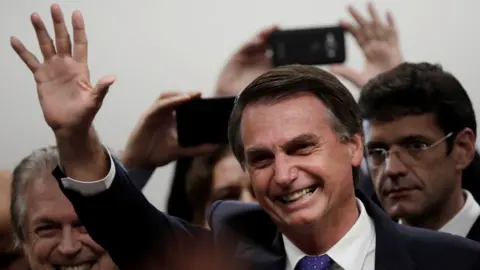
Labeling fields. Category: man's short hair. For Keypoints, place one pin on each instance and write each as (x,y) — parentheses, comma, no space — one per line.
(416,89)
(38,164)
(287,81)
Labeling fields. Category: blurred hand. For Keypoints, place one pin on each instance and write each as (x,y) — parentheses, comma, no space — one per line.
(379,43)
(69,101)
(153,142)
(245,65)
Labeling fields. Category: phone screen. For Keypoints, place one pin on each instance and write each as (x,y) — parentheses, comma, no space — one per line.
(204,121)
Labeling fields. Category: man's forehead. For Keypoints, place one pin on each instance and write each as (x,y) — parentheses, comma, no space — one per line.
(282,125)
(410,125)
(43,197)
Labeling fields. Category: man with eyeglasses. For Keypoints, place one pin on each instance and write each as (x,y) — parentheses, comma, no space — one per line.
(420,133)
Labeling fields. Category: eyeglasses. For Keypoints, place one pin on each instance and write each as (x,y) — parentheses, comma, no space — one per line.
(409,153)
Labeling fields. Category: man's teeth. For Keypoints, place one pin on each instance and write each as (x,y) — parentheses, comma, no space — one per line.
(85,266)
(298,194)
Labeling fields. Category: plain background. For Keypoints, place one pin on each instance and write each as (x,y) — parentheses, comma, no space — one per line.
(157,45)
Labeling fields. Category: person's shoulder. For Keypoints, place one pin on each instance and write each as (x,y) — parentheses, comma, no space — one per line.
(446,249)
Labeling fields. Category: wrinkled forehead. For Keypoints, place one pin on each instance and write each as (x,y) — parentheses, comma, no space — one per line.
(45,200)
(284,119)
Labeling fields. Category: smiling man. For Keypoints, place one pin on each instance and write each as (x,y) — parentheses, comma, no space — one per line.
(420,133)
(44,221)
(296,131)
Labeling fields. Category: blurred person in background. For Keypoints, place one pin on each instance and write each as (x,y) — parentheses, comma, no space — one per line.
(216,176)
(11,257)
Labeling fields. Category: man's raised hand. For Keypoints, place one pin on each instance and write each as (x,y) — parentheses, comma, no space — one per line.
(68,99)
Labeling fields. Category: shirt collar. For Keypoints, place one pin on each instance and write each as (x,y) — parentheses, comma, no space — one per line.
(463,221)
(350,251)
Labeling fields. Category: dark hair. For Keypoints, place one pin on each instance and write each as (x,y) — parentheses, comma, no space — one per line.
(287,81)
(199,180)
(415,89)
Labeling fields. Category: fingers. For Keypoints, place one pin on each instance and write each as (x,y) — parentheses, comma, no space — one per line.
(171,101)
(356,15)
(102,86)
(44,40)
(374,14)
(258,44)
(390,21)
(169,94)
(62,38)
(357,34)
(80,44)
(373,29)
(27,57)
(265,33)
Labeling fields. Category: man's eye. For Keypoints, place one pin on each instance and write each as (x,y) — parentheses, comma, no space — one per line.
(46,230)
(416,145)
(259,161)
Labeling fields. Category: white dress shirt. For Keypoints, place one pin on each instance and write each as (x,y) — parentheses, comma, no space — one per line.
(463,221)
(91,188)
(355,251)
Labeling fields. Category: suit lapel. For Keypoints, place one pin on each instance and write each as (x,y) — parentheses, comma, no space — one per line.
(391,252)
(474,233)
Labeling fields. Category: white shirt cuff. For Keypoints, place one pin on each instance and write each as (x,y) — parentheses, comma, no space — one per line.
(92,187)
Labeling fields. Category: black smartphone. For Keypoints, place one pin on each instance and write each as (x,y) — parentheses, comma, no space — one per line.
(308,46)
(204,121)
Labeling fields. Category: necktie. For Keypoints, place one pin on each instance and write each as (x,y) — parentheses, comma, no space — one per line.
(322,262)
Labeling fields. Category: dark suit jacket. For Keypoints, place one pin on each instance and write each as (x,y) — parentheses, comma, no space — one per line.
(132,231)
(474,233)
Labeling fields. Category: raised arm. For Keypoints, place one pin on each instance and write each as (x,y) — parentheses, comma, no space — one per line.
(114,212)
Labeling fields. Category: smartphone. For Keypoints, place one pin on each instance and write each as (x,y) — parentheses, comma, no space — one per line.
(204,121)
(308,46)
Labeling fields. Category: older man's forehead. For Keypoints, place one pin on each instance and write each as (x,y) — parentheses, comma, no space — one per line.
(45,200)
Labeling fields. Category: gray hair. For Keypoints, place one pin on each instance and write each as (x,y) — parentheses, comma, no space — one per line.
(40,161)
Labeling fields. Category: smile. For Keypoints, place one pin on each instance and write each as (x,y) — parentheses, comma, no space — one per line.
(297,195)
(83,266)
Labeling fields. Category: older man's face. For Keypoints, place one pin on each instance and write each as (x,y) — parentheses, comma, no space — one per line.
(55,238)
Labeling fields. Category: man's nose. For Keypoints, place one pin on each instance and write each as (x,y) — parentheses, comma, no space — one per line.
(394,166)
(70,244)
(285,171)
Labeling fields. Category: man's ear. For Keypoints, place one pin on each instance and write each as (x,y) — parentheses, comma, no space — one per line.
(356,149)
(463,149)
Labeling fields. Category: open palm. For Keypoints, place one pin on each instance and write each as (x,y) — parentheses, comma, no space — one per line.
(379,43)
(69,102)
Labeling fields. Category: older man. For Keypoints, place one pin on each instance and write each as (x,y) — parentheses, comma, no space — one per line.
(45,224)
(297,132)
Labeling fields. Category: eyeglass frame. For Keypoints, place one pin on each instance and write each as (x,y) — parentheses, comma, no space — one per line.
(386,153)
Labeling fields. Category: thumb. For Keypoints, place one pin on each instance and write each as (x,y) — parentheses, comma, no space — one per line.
(102,86)
(349,74)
